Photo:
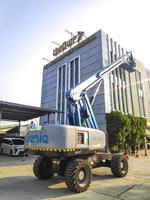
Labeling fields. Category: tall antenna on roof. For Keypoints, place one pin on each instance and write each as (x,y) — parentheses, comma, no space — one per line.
(56,43)
(69,32)
(46,59)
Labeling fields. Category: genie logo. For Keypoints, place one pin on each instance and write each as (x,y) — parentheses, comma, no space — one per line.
(37,139)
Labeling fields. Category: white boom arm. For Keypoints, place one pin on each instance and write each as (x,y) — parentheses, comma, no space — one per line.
(125,61)
(78,104)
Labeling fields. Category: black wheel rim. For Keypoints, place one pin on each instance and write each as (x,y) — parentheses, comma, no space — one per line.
(83,176)
(123,166)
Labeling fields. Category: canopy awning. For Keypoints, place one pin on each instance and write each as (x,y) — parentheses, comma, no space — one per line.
(18,112)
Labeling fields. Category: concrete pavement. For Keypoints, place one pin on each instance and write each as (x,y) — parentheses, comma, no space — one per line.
(18,182)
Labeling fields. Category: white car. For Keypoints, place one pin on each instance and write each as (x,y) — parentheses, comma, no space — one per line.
(12,146)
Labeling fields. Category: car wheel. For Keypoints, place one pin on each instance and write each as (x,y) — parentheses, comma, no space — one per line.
(11,153)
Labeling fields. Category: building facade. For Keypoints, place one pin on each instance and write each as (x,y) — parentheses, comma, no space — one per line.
(121,90)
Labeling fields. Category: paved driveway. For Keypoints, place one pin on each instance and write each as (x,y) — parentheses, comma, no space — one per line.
(17,182)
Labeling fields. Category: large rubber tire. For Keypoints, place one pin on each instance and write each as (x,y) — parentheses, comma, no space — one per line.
(119,166)
(78,175)
(62,168)
(42,168)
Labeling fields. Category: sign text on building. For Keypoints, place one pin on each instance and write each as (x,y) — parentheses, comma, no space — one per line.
(69,43)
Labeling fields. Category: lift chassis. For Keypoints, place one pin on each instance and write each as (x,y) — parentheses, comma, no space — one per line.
(73,150)
(75,164)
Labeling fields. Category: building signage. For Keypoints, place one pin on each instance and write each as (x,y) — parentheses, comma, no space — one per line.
(67,44)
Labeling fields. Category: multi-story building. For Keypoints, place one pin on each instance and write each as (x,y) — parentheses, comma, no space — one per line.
(121,90)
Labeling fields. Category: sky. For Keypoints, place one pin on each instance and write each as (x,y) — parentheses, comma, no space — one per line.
(27,28)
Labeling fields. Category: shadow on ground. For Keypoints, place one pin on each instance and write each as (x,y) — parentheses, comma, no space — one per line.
(31,187)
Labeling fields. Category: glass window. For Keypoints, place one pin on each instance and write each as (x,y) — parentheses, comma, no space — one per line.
(68,77)
(10,143)
(61,89)
(140,93)
(63,92)
(59,92)
(123,103)
(111,57)
(71,74)
(120,72)
(126,98)
(130,91)
(113,86)
(119,107)
(5,141)
(74,72)
(18,142)
(148,76)
(124,75)
(116,72)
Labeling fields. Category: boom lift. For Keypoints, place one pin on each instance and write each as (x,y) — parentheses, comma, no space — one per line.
(73,150)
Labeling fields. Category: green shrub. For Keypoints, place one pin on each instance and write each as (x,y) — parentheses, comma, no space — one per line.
(137,130)
(124,129)
(118,128)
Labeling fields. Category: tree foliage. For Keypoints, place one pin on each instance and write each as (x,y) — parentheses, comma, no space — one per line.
(117,128)
(137,130)
(124,129)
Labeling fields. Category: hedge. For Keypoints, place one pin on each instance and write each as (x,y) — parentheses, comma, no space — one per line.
(124,129)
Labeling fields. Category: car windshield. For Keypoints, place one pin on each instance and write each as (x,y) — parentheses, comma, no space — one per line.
(18,142)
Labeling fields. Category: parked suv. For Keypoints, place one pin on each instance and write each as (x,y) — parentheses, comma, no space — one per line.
(12,146)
